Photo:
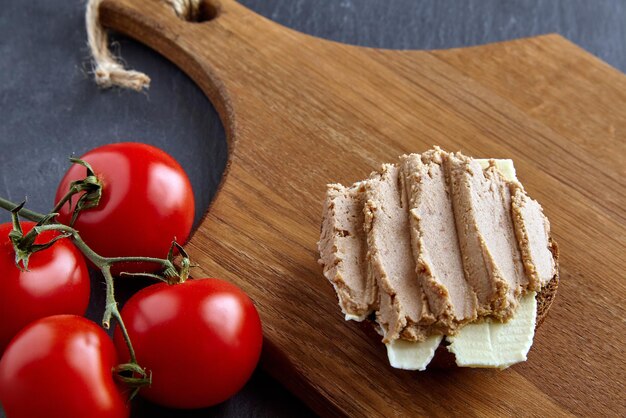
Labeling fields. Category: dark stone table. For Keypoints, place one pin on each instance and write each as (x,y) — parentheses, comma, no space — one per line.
(50,109)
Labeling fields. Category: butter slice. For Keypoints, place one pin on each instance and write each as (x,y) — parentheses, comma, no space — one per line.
(409,355)
(357,318)
(505,166)
(495,344)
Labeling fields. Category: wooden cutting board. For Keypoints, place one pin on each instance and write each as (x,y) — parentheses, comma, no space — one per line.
(301,112)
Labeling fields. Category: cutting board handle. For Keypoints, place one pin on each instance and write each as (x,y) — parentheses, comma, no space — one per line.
(207,10)
(176,16)
(155,22)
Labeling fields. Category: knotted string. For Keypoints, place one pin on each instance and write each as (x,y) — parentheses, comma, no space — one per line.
(107,69)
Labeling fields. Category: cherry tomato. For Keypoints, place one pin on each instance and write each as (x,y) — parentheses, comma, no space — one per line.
(57,282)
(60,366)
(201,339)
(147,202)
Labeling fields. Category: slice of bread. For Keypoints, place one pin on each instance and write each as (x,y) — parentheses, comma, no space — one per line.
(538,264)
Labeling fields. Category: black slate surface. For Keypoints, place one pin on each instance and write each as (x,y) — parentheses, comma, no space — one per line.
(50,109)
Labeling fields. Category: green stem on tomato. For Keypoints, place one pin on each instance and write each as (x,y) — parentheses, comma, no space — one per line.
(111,306)
(90,187)
(112,310)
(31,215)
(96,258)
(63,201)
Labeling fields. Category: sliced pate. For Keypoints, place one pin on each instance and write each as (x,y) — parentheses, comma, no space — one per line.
(532,229)
(435,242)
(403,310)
(491,258)
(343,250)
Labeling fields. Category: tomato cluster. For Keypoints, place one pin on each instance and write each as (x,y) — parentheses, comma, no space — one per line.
(198,339)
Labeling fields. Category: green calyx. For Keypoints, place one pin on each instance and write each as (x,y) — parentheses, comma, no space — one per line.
(173,272)
(177,275)
(24,245)
(133,376)
(90,188)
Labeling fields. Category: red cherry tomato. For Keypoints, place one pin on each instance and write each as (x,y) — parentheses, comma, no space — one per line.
(60,366)
(201,339)
(147,202)
(57,282)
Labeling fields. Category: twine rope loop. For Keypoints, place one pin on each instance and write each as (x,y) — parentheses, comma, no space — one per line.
(108,70)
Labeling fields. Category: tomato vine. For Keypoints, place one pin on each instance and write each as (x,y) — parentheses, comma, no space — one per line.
(131,373)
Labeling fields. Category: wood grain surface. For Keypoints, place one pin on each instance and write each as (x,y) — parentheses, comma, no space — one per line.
(301,112)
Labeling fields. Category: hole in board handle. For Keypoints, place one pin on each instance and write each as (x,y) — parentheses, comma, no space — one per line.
(207,11)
